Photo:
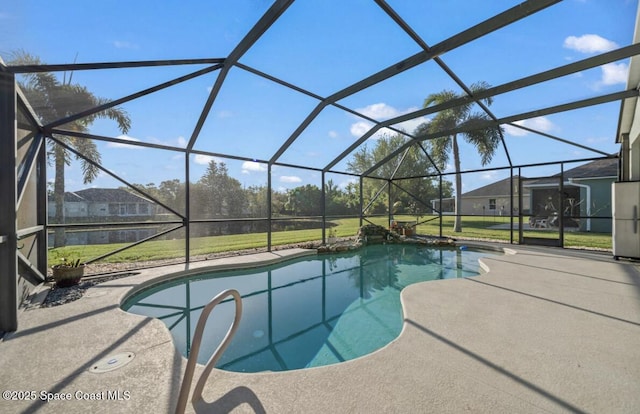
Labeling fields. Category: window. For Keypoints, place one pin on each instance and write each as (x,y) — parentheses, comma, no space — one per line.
(132,209)
(492,204)
(143,208)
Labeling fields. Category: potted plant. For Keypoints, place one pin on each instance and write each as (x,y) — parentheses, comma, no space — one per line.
(332,236)
(67,272)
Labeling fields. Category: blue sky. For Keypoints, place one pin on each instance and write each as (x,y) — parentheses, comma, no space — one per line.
(321,46)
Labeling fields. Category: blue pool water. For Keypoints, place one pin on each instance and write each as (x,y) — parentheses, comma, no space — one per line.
(310,311)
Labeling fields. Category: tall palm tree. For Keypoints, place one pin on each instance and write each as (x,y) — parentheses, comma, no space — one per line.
(52,100)
(486,139)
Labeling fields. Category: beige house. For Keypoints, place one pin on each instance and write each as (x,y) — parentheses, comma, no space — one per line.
(491,200)
(103,202)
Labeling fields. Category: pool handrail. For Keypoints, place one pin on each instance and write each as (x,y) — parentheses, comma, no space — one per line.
(183,397)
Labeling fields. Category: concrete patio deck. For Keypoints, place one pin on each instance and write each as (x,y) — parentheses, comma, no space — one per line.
(544,330)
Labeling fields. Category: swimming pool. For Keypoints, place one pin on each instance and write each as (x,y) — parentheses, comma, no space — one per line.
(306,312)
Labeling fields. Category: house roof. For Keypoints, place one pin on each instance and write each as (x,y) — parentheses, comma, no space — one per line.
(607,167)
(499,188)
(101,195)
(69,197)
(600,168)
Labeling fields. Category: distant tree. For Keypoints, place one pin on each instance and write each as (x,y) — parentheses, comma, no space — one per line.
(304,201)
(170,193)
(257,201)
(486,139)
(54,100)
(217,194)
(365,158)
(173,194)
(414,164)
(349,199)
(331,191)
(336,202)
(278,202)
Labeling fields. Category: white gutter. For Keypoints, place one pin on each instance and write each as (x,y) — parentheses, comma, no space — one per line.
(588,189)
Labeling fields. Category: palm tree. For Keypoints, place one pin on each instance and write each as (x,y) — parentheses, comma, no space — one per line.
(53,100)
(486,139)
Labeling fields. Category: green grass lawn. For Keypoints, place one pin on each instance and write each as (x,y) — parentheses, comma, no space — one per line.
(481,228)
(472,228)
(476,227)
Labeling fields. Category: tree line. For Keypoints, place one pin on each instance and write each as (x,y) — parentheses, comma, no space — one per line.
(218,195)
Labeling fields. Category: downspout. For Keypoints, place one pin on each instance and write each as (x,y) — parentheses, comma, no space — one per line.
(588,191)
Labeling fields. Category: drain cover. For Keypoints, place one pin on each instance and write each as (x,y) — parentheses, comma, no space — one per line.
(112,362)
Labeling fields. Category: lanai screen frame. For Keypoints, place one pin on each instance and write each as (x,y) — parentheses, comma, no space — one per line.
(12,98)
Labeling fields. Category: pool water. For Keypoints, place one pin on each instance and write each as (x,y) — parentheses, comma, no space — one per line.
(307,312)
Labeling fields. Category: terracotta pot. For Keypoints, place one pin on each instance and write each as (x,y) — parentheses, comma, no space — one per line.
(65,276)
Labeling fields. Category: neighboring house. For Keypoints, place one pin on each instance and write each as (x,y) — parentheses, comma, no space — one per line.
(493,199)
(103,203)
(587,194)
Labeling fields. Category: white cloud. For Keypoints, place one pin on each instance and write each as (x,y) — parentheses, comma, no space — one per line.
(360,128)
(614,73)
(174,142)
(541,124)
(489,175)
(224,114)
(344,184)
(121,145)
(290,179)
(203,159)
(411,125)
(333,134)
(379,111)
(252,166)
(589,43)
(120,44)
(382,111)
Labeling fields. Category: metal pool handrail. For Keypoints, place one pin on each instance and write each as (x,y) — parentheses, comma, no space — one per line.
(195,349)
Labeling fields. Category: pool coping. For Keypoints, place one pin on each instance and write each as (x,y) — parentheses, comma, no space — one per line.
(576,314)
(218,265)
(280,257)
